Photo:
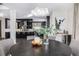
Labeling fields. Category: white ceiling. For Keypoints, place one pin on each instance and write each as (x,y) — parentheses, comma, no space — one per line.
(25,8)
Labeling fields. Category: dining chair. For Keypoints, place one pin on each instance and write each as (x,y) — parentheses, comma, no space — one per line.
(1,51)
(5,45)
(75,48)
(60,38)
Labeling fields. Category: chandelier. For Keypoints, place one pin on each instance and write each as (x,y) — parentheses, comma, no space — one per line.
(39,12)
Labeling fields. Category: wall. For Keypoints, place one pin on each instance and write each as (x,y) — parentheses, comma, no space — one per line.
(66,12)
(76,21)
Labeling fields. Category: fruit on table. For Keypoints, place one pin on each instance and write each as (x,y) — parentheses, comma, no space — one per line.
(37,42)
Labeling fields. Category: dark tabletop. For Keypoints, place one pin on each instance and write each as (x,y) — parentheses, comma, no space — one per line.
(54,48)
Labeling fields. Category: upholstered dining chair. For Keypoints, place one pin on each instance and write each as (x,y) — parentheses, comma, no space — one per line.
(59,37)
(75,48)
(2,51)
(5,45)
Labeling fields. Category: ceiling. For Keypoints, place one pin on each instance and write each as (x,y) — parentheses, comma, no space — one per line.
(23,9)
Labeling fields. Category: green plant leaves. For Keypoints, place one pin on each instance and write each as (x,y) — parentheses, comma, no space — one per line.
(47,30)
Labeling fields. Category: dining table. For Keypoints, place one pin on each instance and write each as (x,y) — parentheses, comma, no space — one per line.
(54,48)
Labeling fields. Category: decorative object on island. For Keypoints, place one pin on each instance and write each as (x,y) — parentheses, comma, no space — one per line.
(46,31)
(24,27)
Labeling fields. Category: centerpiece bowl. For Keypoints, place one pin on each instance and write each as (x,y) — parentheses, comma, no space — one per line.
(37,42)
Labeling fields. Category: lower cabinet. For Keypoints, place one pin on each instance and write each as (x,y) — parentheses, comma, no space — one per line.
(23,34)
(7,35)
(19,34)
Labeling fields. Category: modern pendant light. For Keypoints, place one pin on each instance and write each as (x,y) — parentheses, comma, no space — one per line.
(38,12)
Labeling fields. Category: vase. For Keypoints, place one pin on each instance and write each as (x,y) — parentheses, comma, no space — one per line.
(45,36)
(46,40)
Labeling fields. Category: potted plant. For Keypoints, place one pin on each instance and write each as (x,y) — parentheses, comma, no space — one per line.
(46,31)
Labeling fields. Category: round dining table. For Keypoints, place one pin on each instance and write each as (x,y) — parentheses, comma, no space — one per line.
(54,48)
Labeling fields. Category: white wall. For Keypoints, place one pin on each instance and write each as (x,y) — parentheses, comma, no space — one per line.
(77,22)
(65,11)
